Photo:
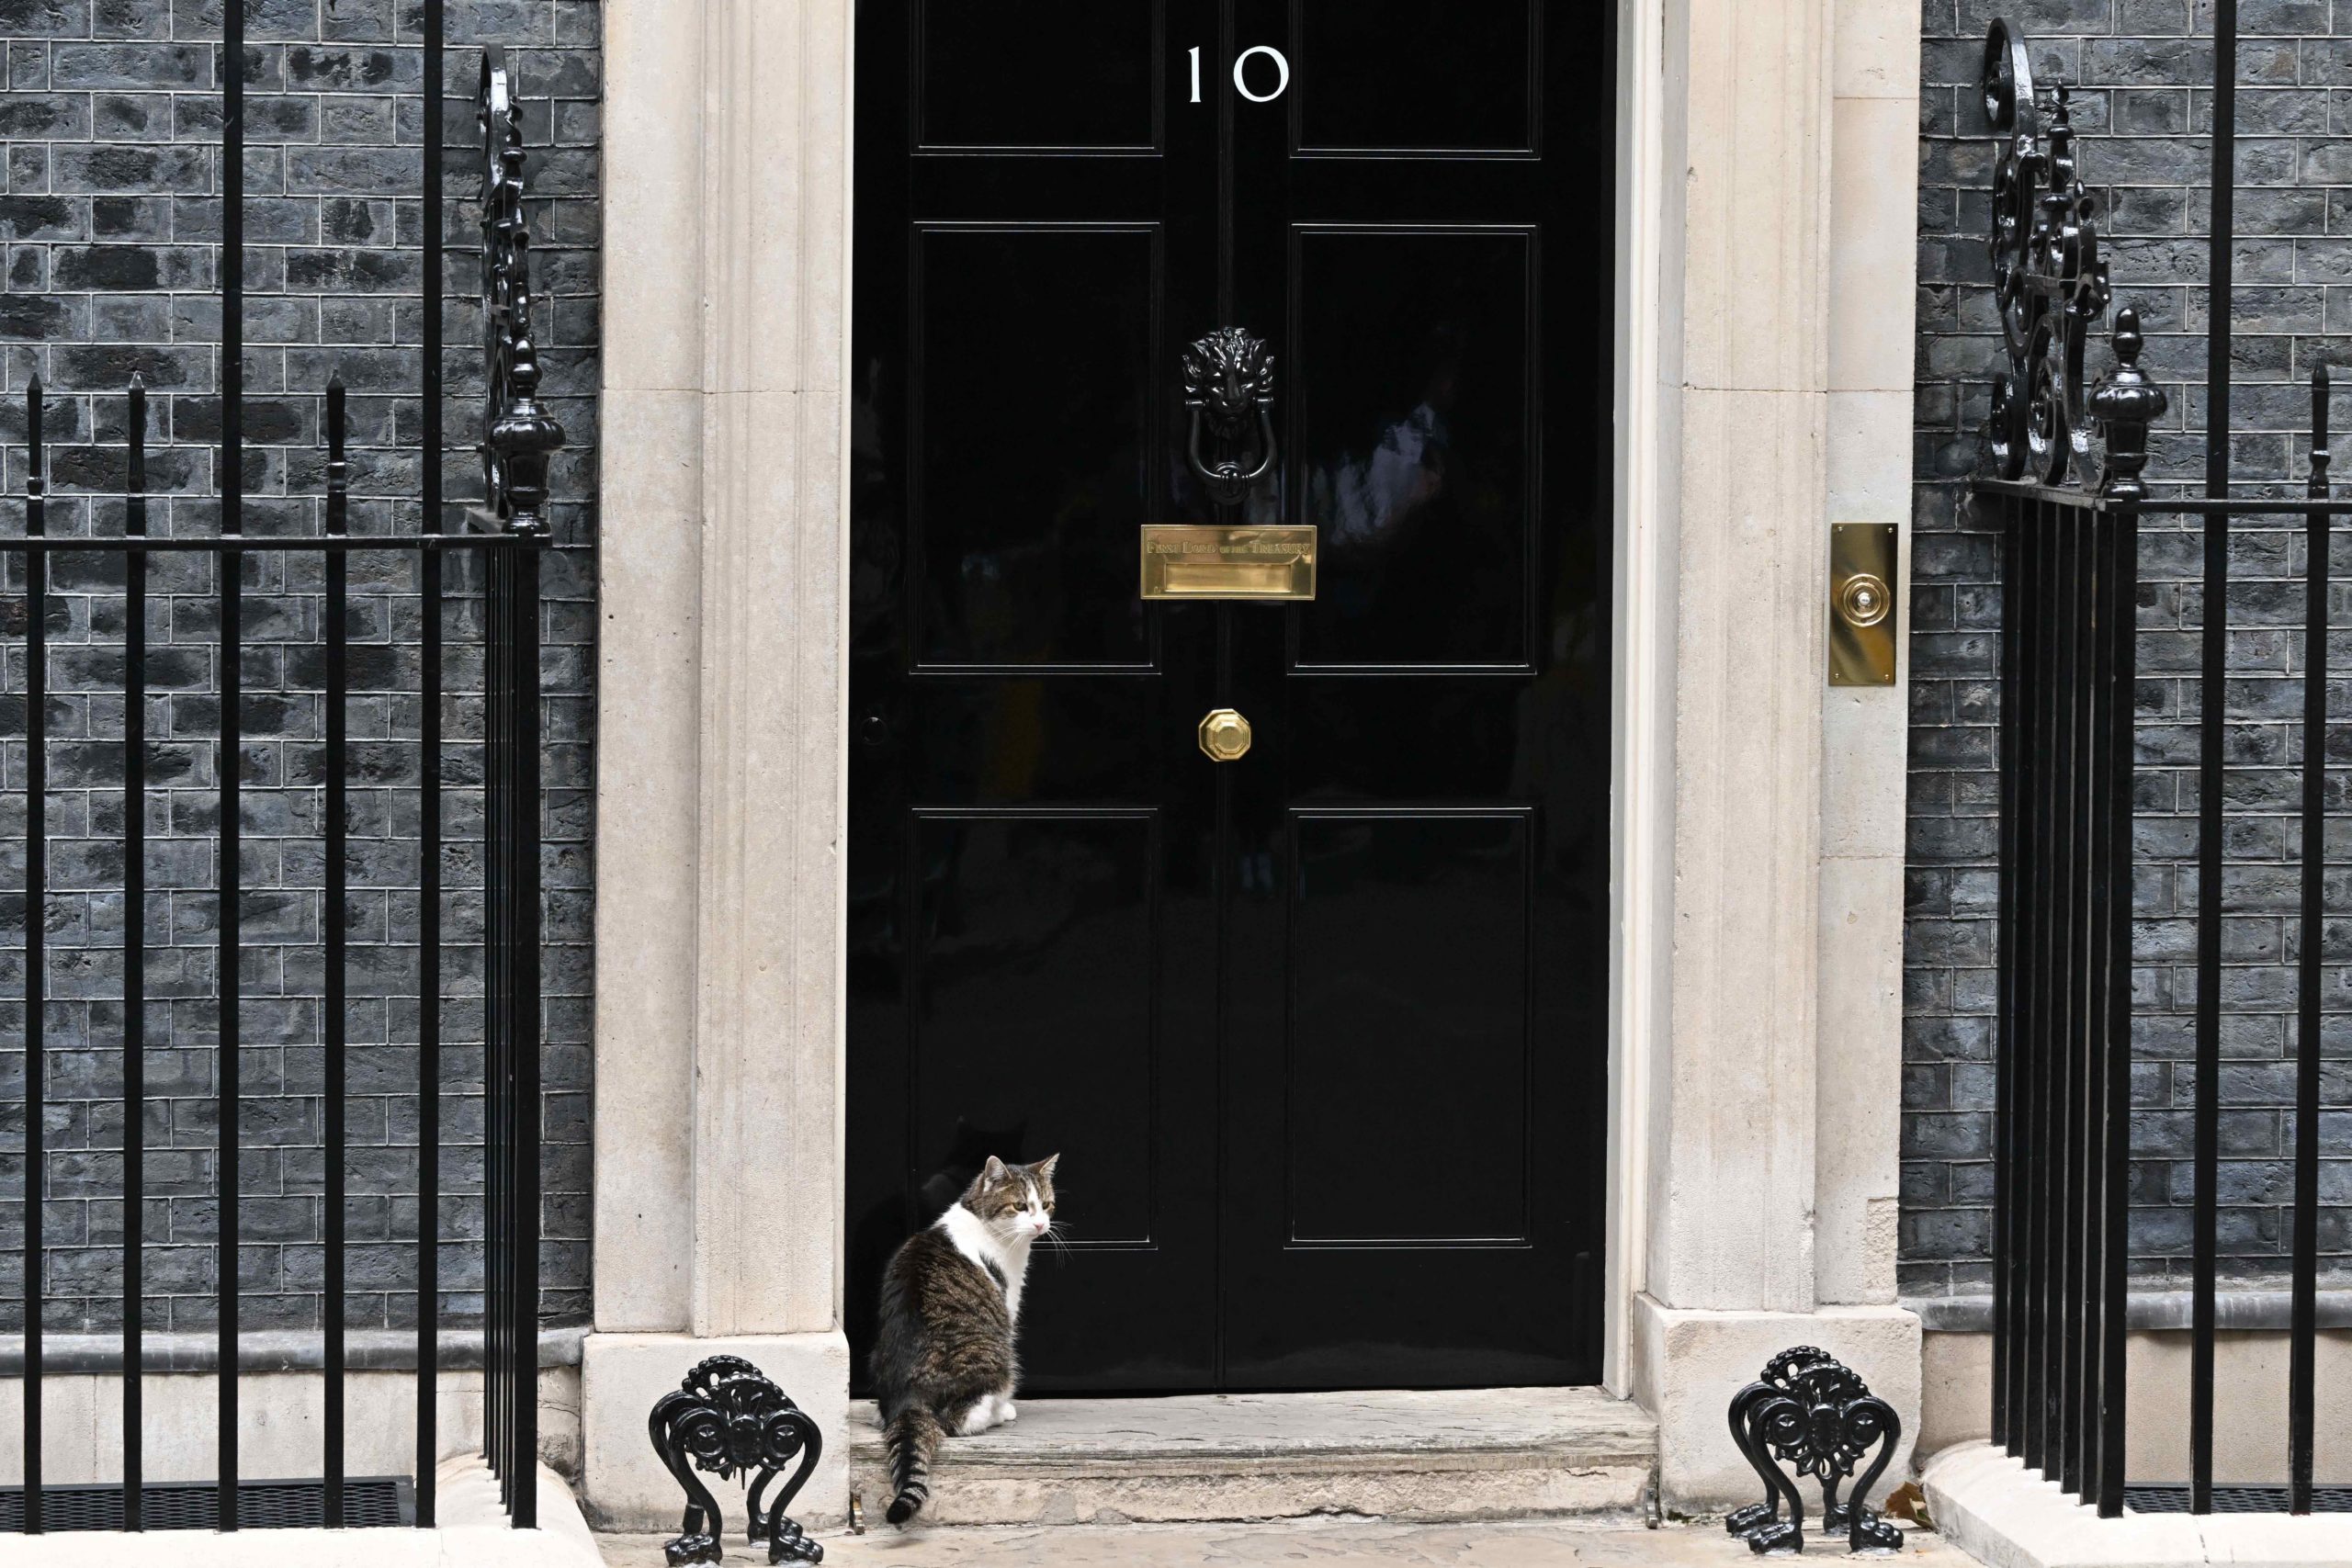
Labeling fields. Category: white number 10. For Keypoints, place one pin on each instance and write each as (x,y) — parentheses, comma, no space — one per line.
(1240,81)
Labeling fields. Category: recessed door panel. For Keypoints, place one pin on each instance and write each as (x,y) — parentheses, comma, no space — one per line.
(1459,78)
(1034,1015)
(993,75)
(1033,353)
(1020,738)
(1414,406)
(1410,970)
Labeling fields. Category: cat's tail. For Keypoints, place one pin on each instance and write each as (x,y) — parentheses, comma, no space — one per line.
(912,1438)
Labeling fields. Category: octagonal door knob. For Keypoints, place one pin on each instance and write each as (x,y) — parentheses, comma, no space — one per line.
(1225,736)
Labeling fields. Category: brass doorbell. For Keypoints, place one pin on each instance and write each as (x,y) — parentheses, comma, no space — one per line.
(1862,575)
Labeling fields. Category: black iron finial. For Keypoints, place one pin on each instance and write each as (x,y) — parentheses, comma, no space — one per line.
(36,460)
(134,506)
(517,436)
(2126,403)
(2320,455)
(338,469)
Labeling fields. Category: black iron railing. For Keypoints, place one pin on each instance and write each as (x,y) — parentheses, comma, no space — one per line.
(2070,582)
(492,597)
(2069,494)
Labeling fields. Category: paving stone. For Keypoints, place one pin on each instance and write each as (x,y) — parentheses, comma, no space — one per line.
(1317,1544)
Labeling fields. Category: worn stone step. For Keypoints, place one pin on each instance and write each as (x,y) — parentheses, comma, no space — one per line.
(1481,1454)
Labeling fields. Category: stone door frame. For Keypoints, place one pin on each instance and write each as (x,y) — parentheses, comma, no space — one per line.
(1765,214)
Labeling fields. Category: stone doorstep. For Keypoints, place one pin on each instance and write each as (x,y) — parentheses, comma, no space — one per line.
(1482,1454)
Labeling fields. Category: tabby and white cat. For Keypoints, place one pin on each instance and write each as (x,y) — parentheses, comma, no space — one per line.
(951,1303)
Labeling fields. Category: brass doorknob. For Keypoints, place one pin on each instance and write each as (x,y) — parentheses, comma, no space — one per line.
(1225,736)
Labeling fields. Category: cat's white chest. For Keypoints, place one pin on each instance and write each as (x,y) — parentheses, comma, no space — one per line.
(974,1241)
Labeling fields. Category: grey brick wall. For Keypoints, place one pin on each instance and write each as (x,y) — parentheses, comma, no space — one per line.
(2143,74)
(110,220)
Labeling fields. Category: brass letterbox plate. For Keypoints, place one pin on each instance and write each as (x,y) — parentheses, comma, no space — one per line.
(1862,579)
(1184,561)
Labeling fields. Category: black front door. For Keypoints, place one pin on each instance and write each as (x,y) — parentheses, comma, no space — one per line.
(1320,1031)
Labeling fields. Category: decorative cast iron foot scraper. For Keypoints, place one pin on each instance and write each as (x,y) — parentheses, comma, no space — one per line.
(1808,1411)
(724,1417)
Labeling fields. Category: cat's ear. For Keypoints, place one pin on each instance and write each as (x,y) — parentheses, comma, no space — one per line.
(1045,1168)
(992,1172)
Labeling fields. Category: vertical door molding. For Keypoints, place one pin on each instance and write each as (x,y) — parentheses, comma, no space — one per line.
(1641,828)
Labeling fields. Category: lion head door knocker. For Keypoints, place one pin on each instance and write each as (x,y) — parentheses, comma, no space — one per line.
(1229,388)
(1810,1412)
(727,1418)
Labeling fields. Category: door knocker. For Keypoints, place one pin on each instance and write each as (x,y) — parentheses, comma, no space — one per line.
(1227,375)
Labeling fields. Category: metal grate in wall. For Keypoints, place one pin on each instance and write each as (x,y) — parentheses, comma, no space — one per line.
(369,1503)
(2234,1499)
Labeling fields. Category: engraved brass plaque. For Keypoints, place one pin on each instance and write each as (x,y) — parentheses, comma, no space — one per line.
(1188,562)
(1862,603)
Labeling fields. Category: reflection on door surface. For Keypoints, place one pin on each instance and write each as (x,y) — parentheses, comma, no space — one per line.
(1319,1029)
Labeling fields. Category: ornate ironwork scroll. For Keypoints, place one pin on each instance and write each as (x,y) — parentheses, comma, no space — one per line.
(726,1418)
(2049,280)
(517,436)
(1809,1411)
(1229,378)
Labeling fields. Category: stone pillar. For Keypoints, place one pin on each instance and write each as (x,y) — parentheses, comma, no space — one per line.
(718,1141)
(649,686)
(1777,952)
(1873,266)
(768,1041)
(1731,1158)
